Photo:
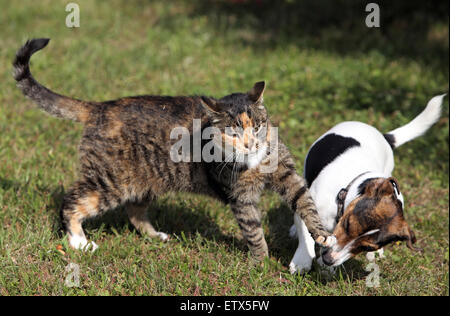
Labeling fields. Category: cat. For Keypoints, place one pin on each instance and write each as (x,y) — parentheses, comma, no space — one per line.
(125,159)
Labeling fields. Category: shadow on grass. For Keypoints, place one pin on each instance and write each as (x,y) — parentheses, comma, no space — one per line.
(413,29)
(350,271)
(6,184)
(167,217)
(178,218)
(56,199)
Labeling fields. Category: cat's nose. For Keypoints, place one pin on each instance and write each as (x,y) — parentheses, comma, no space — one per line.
(249,143)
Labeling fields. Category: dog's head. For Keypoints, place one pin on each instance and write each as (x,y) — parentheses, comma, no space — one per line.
(371,221)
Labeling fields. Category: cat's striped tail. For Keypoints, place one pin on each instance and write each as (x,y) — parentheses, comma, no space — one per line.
(417,126)
(51,102)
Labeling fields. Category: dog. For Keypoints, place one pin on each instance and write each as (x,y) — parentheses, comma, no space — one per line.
(348,170)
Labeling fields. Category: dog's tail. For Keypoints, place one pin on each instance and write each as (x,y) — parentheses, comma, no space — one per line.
(51,102)
(418,126)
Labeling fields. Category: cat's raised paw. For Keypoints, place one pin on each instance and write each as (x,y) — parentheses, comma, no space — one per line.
(329,241)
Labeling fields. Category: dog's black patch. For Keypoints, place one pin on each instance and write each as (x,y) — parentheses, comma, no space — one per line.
(324,152)
(390,139)
(361,210)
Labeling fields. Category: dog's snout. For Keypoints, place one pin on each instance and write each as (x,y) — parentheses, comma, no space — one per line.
(326,257)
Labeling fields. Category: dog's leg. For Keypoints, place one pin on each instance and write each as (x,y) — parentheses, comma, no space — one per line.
(304,255)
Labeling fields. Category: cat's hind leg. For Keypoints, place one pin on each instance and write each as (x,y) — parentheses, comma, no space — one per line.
(137,213)
(80,203)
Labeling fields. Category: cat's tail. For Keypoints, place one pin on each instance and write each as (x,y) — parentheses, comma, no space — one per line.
(51,102)
(417,126)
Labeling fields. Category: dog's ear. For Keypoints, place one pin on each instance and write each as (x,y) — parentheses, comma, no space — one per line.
(395,184)
(399,231)
(410,240)
(388,186)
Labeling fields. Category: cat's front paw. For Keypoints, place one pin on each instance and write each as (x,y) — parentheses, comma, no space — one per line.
(329,241)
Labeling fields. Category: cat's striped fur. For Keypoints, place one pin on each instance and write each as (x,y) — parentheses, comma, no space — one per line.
(124,157)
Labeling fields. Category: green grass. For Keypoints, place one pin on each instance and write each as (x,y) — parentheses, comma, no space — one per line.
(182,48)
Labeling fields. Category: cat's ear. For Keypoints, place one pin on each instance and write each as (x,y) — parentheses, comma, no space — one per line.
(211,105)
(256,93)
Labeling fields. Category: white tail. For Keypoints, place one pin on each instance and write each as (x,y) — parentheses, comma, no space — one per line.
(419,125)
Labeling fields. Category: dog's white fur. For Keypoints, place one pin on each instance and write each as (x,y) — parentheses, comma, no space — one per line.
(374,156)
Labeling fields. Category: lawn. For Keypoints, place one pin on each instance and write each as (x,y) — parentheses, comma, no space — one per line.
(318,71)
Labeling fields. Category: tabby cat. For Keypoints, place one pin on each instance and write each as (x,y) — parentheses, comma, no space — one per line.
(124,157)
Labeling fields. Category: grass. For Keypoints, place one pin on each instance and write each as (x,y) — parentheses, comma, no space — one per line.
(314,81)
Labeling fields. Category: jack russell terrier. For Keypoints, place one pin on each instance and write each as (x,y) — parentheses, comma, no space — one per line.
(348,170)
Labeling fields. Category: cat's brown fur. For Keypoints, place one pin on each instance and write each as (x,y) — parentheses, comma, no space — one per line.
(124,157)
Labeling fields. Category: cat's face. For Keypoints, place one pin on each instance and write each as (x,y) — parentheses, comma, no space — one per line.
(243,122)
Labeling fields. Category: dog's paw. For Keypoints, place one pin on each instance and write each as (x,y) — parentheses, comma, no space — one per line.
(302,261)
(299,267)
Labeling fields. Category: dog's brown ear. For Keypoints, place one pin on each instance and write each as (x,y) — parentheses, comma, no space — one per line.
(389,186)
(408,235)
(411,239)
(394,182)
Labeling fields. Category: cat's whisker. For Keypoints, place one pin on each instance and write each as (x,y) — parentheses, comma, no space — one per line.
(232,179)
(226,162)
